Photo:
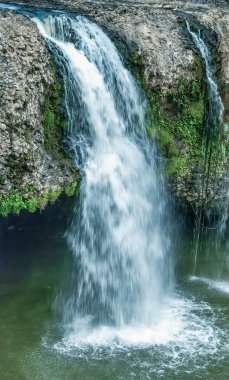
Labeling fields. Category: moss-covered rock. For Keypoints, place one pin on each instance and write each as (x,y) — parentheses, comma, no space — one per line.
(175,119)
(55,121)
(34,167)
(29,199)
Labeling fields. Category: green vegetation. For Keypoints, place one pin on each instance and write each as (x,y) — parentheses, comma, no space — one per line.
(176,119)
(27,199)
(55,126)
(54,119)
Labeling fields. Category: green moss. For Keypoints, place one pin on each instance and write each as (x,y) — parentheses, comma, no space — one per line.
(196,109)
(166,140)
(176,119)
(218,57)
(72,189)
(27,199)
(54,119)
(176,165)
(136,62)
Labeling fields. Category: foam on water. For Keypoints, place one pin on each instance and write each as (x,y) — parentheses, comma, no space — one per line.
(222,286)
(185,328)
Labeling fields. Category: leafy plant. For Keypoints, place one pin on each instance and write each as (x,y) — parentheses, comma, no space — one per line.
(176,119)
(27,199)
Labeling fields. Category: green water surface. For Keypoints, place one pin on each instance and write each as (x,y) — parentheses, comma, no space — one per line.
(35,263)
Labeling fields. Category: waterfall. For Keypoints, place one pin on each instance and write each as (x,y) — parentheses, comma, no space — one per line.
(214,148)
(120,230)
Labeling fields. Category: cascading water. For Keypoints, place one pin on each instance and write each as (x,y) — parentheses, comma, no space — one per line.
(118,235)
(120,240)
(214,154)
(215,135)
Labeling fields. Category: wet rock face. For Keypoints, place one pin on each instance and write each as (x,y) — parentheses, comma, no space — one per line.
(25,76)
(224,70)
(158,38)
(154,29)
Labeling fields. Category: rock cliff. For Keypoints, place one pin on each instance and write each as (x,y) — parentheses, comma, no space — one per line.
(31,170)
(156,46)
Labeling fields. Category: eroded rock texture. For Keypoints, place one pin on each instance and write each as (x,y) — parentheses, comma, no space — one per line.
(156,29)
(155,38)
(25,78)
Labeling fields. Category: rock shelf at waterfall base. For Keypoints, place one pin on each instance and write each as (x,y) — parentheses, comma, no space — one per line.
(154,42)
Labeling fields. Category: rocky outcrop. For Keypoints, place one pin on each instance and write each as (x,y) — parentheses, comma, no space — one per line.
(155,28)
(26,82)
(153,39)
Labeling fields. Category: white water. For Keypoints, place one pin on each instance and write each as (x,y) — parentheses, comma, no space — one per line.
(178,325)
(119,235)
(221,285)
(181,332)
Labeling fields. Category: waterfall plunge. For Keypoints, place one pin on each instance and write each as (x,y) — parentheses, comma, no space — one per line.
(119,233)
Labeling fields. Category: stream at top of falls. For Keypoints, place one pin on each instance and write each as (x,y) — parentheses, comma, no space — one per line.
(115,297)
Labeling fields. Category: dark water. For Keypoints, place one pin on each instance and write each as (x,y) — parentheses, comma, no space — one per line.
(190,341)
